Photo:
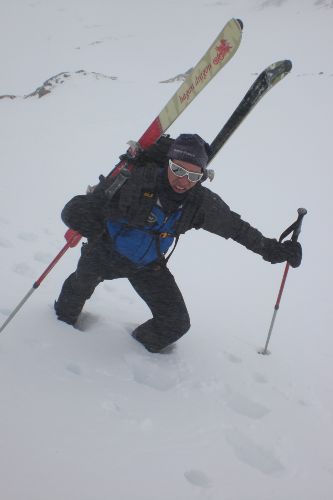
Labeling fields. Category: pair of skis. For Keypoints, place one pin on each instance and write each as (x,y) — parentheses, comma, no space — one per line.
(217,56)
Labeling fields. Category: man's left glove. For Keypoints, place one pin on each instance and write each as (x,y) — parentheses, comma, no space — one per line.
(290,251)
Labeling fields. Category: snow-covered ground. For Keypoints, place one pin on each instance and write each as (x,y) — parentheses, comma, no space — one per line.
(90,415)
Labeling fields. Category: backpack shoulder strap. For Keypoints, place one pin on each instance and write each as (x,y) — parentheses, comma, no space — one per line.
(138,195)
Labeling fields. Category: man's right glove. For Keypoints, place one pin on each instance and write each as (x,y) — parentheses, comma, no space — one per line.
(290,251)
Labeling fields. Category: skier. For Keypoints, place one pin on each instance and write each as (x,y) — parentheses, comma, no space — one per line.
(129,235)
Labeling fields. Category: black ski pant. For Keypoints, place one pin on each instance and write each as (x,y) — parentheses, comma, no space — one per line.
(154,284)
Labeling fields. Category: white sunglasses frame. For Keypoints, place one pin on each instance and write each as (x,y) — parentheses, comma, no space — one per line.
(186,173)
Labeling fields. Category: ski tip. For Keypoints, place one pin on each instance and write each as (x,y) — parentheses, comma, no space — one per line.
(302,211)
(240,22)
(289,65)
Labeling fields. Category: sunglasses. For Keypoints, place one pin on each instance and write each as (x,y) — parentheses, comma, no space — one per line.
(181,172)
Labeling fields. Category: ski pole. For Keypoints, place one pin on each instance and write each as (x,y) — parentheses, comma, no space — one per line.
(72,237)
(295,229)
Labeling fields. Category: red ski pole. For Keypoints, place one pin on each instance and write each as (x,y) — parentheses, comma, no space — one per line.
(73,239)
(295,228)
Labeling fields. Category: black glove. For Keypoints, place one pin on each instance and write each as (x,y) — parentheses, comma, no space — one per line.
(294,251)
(290,251)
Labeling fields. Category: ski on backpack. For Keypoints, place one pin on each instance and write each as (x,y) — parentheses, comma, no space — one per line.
(265,81)
(216,57)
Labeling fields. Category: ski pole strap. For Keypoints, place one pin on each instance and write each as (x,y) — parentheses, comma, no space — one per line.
(295,228)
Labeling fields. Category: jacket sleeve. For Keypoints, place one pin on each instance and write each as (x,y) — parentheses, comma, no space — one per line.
(84,213)
(215,216)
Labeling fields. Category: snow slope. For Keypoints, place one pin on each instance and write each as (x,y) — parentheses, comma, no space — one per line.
(88,414)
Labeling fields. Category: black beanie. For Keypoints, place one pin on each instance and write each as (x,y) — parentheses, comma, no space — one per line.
(191,148)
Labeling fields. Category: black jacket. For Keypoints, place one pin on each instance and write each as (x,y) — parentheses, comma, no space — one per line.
(201,209)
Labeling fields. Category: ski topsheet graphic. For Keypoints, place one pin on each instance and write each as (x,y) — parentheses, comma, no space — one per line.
(217,56)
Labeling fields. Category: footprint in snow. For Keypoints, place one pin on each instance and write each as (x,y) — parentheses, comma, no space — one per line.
(5,312)
(157,371)
(244,406)
(114,409)
(258,377)
(47,231)
(252,454)
(85,321)
(5,243)
(24,269)
(27,236)
(42,257)
(111,406)
(73,368)
(232,358)
(198,478)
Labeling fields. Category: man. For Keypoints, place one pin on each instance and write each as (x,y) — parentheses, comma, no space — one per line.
(129,235)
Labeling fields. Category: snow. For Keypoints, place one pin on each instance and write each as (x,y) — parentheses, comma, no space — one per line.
(89,414)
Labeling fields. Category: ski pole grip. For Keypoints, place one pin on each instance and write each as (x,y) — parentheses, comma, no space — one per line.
(295,227)
(72,237)
(301,213)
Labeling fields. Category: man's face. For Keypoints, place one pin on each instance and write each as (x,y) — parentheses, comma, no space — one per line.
(183,184)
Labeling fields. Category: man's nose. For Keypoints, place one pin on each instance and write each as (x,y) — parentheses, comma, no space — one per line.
(184,181)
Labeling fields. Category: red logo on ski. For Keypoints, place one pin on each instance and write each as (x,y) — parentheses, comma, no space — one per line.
(222,50)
